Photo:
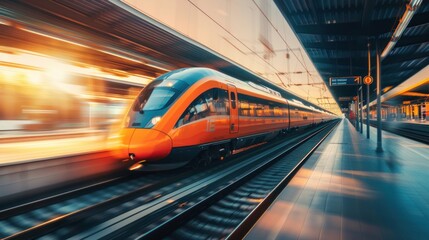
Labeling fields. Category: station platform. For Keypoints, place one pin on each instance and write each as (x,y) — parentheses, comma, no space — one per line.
(25,146)
(346,190)
(409,121)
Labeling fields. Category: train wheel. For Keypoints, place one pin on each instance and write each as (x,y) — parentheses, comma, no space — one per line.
(226,152)
(202,161)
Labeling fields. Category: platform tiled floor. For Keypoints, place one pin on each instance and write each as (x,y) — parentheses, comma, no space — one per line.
(18,152)
(348,191)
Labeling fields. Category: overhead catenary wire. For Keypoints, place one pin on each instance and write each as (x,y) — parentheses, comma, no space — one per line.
(304,65)
(232,35)
(247,47)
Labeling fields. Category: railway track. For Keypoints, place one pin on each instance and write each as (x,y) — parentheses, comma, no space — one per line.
(418,132)
(141,207)
(35,218)
(231,210)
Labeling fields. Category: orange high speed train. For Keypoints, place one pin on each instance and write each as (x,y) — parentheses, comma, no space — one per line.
(197,115)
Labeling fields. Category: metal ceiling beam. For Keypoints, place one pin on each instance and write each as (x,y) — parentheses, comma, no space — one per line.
(343,29)
(411,9)
(327,67)
(355,28)
(329,44)
(404,72)
(359,43)
(346,8)
(334,45)
(368,8)
(405,57)
(325,11)
(412,40)
(419,19)
(395,68)
(333,72)
(338,61)
(363,60)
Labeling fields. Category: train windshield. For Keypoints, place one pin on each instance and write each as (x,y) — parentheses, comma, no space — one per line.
(158,94)
(153,101)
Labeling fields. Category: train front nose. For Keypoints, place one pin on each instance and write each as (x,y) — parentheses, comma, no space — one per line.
(149,145)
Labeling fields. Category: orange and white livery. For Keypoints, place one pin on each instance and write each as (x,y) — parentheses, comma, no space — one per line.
(197,115)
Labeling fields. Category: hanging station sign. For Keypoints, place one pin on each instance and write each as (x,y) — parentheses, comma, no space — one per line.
(344,81)
(344,99)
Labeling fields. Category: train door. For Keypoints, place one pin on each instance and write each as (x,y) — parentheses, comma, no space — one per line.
(233,109)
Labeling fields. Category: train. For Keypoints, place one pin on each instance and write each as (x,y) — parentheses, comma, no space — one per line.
(194,116)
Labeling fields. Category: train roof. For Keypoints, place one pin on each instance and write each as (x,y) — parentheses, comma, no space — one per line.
(189,75)
(192,75)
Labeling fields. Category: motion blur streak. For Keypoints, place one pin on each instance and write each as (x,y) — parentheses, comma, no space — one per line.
(54,107)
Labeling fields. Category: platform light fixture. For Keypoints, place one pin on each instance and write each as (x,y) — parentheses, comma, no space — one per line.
(40,33)
(403,23)
(110,51)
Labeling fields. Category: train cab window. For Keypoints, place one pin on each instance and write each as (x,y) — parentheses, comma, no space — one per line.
(210,103)
(160,98)
(153,102)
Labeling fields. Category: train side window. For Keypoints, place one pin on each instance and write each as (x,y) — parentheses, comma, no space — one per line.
(233,99)
(215,93)
(277,112)
(202,110)
(223,98)
(191,116)
(220,102)
(210,99)
(209,103)
(244,108)
(260,110)
(192,112)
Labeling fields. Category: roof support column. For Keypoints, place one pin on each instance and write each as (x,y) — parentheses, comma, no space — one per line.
(361,108)
(367,92)
(379,137)
(357,110)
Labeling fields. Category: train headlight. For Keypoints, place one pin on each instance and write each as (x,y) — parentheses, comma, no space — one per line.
(153,121)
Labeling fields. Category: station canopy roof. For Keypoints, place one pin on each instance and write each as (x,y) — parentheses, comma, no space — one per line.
(335,34)
(103,34)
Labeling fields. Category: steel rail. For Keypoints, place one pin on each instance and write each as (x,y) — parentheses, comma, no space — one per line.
(173,223)
(32,205)
(403,129)
(242,229)
(75,216)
